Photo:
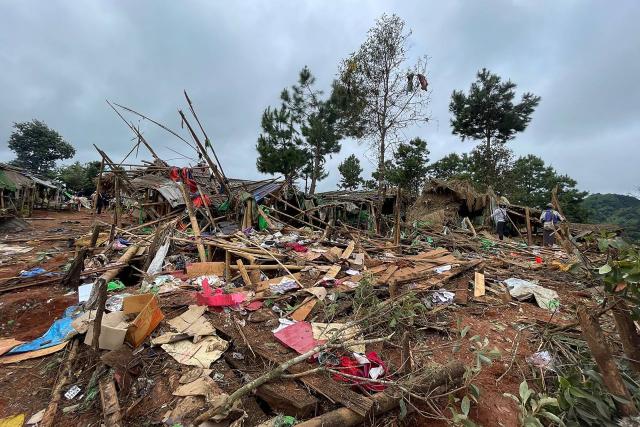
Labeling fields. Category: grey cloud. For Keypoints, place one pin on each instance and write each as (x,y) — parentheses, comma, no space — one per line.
(60,60)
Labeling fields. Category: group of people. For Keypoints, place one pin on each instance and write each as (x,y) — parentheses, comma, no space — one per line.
(549,219)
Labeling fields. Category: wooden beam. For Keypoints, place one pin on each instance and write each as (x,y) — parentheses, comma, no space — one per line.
(194,222)
(528,220)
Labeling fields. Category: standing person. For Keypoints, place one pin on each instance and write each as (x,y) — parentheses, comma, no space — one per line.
(100,201)
(549,218)
(499,215)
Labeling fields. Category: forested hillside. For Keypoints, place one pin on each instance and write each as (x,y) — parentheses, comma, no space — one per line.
(614,209)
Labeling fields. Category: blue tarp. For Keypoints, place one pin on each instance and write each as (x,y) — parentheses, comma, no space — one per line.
(60,331)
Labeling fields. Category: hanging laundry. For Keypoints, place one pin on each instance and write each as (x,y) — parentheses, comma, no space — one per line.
(423,81)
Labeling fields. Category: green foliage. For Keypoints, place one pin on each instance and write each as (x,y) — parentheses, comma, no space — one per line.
(316,121)
(78,177)
(452,166)
(614,209)
(621,273)
(488,114)
(534,407)
(280,149)
(350,171)
(38,147)
(584,399)
(409,167)
(530,183)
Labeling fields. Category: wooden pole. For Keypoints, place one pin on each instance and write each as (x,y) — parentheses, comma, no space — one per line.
(194,222)
(48,420)
(99,184)
(396,226)
(116,214)
(97,323)
(611,377)
(528,219)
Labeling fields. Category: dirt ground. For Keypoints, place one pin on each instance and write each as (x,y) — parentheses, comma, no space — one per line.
(27,313)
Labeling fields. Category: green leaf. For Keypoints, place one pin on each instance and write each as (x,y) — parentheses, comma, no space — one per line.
(548,401)
(551,417)
(604,269)
(464,331)
(465,405)
(524,391)
(474,391)
(403,410)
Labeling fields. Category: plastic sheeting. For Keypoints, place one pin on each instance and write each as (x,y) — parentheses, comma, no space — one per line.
(60,331)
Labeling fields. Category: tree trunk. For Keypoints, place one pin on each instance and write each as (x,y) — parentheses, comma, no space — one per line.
(381,176)
(315,172)
(592,333)
(628,334)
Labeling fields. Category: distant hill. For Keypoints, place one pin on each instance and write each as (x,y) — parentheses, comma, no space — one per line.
(615,209)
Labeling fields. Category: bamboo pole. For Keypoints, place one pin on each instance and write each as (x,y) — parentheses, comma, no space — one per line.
(194,223)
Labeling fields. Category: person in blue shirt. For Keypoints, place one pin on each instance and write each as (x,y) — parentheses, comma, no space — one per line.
(549,218)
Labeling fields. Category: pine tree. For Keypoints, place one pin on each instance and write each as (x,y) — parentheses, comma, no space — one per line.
(409,167)
(280,150)
(350,171)
(488,114)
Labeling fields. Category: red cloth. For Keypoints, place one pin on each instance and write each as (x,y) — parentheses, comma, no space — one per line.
(296,247)
(350,366)
(197,202)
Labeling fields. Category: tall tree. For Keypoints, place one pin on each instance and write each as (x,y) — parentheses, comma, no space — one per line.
(377,96)
(280,149)
(488,114)
(313,124)
(38,147)
(409,167)
(350,171)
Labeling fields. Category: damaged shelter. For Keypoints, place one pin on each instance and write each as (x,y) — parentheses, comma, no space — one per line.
(208,300)
(21,192)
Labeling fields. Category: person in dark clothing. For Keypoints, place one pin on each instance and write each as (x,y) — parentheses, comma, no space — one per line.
(101,201)
(549,218)
(499,215)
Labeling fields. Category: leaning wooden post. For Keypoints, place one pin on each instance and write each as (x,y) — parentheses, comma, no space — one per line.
(98,185)
(595,339)
(396,226)
(628,334)
(194,223)
(97,323)
(527,215)
(116,213)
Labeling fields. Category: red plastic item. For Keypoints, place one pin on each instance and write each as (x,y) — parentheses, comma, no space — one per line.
(538,260)
(218,299)
(298,337)
(350,366)
(254,305)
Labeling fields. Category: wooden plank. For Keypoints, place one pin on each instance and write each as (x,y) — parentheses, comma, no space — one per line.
(262,343)
(110,405)
(194,222)
(243,273)
(387,274)
(332,273)
(347,252)
(303,311)
(198,269)
(478,285)
(431,254)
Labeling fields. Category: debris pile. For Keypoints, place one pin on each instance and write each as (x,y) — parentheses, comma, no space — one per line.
(207,299)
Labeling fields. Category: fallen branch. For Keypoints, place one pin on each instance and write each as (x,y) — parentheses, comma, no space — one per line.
(280,370)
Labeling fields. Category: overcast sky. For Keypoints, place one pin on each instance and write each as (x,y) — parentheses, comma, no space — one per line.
(60,60)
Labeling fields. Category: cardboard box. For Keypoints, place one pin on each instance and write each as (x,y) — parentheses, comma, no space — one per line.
(112,331)
(148,317)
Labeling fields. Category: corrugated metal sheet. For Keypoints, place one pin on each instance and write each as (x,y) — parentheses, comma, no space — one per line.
(169,189)
(43,182)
